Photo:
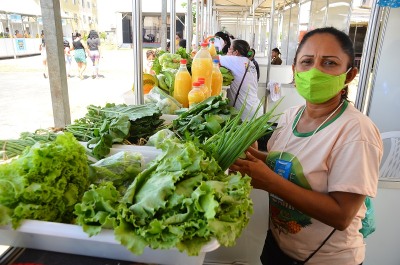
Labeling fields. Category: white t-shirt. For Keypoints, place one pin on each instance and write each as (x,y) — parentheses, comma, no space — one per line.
(344,155)
(237,65)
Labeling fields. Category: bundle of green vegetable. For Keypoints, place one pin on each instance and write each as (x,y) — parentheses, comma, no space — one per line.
(183,200)
(44,183)
(14,147)
(227,76)
(204,120)
(228,144)
(102,127)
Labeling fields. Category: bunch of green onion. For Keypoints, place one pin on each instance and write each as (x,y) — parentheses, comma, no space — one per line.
(236,136)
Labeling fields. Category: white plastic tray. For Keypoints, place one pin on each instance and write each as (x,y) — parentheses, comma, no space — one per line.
(71,239)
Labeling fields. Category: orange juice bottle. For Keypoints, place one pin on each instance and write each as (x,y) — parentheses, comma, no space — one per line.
(206,90)
(196,95)
(202,65)
(183,84)
(216,83)
(211,48)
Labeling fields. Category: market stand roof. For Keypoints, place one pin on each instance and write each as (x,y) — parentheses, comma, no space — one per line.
(22,7)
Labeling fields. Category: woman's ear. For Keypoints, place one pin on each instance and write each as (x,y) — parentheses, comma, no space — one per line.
(351,75)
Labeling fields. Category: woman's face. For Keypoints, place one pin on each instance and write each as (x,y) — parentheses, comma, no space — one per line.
(232,51)
(322,51)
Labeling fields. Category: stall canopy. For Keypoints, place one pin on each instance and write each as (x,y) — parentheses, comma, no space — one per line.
(22,7)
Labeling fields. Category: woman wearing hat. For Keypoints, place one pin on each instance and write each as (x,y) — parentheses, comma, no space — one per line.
(276,60)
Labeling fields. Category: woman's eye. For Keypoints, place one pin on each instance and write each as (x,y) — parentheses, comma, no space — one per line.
(330,63)
(306,61)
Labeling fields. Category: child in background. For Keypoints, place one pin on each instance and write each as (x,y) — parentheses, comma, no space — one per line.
(150,56)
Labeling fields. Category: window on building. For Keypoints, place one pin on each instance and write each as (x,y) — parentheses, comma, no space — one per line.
(84,19)
(88,4)
(83,3)
(74,1)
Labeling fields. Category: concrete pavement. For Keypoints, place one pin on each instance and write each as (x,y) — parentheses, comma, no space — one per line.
(25,100)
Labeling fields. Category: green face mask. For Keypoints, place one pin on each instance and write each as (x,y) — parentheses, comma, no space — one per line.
(318,87)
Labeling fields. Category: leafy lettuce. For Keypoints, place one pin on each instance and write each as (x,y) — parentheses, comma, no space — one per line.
(44,183)
(181,200)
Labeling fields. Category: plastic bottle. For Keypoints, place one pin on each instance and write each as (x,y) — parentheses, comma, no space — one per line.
(202,65)
(183,84)
(196,95)
(211,49)
(216,79)
(206,90)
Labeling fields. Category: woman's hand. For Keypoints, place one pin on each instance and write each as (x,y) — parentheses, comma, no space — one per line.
(259,172)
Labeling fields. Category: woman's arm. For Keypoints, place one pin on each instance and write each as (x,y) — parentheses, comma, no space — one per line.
(336,209)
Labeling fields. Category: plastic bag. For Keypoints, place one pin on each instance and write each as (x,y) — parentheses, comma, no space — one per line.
(368,223)
(275,90)
(166,103)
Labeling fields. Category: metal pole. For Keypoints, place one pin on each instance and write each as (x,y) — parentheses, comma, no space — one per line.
(288,34)
(209,17)
(253,31)
(137,51)
(367,59)
(55,60)
(164,25)
(172,30)
(271,26)
(197,25)
(189,27)
(201,38)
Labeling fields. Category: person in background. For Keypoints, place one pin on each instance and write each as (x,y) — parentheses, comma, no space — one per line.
(79,49)
(18,35)
(227,42)
(7,33)
(27,34)
(68,57)
(150,56)
(255,63)
(182,43)
(178,37)
(43,55)
(242,92)
(322,161)
(275,55)
(93,43)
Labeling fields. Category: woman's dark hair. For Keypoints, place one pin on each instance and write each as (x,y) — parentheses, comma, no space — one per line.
(242,47)
(345,43)
(227,40)
(182,43)
(93,35)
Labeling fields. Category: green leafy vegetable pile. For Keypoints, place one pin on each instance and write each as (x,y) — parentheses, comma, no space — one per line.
(183,200)
(227,76)
(14,147)
(102,127)
(205,119)
(44,183)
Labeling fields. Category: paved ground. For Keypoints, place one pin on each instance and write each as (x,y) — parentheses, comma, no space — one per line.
(25,100)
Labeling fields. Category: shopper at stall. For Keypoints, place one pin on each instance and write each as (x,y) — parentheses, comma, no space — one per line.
(322,161)
(93,43)
(275,57)
(243,89)
(227,41)
(43,56)
(79,49)
(68,57)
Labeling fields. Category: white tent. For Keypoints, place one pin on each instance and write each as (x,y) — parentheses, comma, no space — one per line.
(21,7)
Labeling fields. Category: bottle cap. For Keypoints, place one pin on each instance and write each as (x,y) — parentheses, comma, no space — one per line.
(204,44)
(201,81)
(183,61)
(196,84)
(201,78)
(215,61)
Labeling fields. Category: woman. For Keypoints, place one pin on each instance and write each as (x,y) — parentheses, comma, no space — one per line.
(321,163)
(80,54)
(276,60)
(244,86)
(43,55)
(93,42)
(226,40)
